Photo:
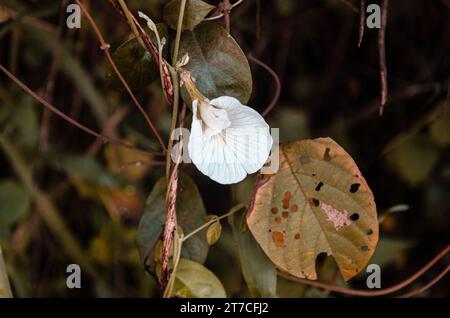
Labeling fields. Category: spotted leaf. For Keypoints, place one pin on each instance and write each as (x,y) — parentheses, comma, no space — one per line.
(317,202)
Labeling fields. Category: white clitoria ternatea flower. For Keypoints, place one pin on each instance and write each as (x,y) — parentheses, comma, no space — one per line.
(228,140)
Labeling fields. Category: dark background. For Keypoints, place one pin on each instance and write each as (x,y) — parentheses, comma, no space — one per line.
(330,87)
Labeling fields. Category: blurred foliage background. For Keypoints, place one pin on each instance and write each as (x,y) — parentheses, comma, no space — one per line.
(68,198)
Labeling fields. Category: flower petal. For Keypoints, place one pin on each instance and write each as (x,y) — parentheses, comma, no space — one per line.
(240,149)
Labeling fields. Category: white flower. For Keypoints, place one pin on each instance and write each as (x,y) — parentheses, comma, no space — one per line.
(228,140)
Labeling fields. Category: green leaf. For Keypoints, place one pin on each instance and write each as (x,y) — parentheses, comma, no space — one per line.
(217,63)
(193,280)
(414,159)
(213,233)
(259,272)
(135,63)
(191,214)
(194,13)
(14,202)
(5,289)
(317,202)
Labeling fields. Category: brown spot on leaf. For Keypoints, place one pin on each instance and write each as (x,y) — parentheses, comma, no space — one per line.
(354,187)
(285,214)
(278,219)
(319,186)
(278,238)
(274,210)
(326,155)
(285,201)
(369,232)
(297,236)
(364,248)
(294,208)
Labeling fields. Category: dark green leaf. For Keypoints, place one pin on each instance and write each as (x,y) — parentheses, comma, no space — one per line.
(216,62)
(259,272)
(194,12)
(191,214)
(135,63)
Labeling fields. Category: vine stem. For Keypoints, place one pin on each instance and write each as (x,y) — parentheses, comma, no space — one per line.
(222,13)
(170,228)
(276,79)
(427,286)
(180,239)
(382,56)
(70,119)
(131,23)
(105,47)
(370,293)
(231,212)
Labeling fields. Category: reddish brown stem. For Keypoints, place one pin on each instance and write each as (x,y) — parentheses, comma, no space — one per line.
(382,56)
(276,79)
(68,118)
(167,80)
(427,286)
(105,47)
(226,7)
(362,21)
(371,293)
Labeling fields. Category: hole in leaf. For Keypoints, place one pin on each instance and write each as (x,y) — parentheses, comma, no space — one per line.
(354,217)
(316,202)
(326,155)
(369,232)
(354,187)
(319,186)
(364,248)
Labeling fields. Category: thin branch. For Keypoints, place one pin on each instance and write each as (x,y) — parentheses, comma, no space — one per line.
(233,210)
(221,14)
(226,8)
(350,5)
(105,47)
(427,286)
(172,173)
(362,21)
(150,47)
(140,163)
(382,56)
(70,119)
(370,293)
(276,80)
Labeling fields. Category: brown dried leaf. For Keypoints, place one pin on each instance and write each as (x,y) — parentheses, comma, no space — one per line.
(318,202)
